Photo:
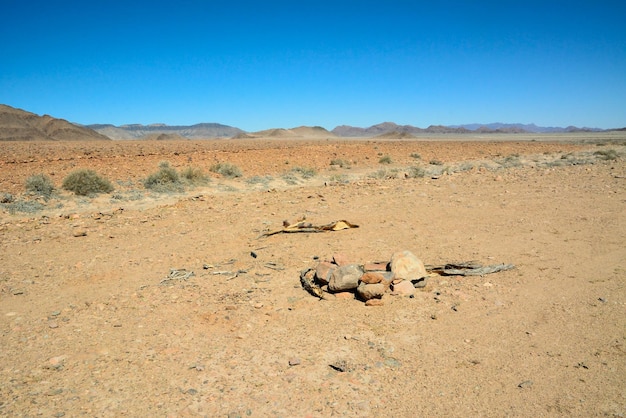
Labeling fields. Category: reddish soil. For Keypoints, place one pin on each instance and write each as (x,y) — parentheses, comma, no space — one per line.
(90,326)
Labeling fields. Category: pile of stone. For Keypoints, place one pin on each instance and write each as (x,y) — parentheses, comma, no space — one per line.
(367,282)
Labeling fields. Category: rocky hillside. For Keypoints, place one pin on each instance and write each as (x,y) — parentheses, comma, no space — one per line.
(20,125)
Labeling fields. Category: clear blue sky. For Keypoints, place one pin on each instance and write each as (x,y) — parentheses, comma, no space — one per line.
(265,64)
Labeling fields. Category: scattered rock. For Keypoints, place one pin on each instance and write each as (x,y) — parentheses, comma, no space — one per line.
(345,278)
(370,291)
(374,302)
(294,361)
(341,366)
(79,233)
(376,266)
(323,271)
(372,278)
(405,265)
(341,259)
(403,288)
(343,295)
(525,384)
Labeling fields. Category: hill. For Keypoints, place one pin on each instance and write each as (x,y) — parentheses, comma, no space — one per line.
(197,131)
(20,125)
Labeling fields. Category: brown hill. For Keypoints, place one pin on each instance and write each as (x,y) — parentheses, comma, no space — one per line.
(19,125)
(275,133)
(312,131)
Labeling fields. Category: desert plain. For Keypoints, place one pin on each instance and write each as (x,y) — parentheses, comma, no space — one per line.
(94,323)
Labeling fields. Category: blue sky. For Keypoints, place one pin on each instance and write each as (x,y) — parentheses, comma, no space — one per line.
(265,64)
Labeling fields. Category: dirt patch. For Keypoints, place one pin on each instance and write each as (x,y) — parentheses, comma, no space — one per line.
(100,316)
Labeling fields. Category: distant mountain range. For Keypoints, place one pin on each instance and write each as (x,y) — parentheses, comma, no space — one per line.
(17,124)
(386,129)
(389,127)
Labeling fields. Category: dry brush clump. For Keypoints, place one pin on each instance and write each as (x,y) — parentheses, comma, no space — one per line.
(85,182)
(227,170)
(40,184)
(168,180)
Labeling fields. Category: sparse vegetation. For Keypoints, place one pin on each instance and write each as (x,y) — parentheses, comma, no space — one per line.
(24,206)
(415,155)
(383,174)
(341,163)
(6,198)
(385,160)
(166,180)
(435,162)
(265,180)
(227,170)
(339,178)
(40,184)
(607,154)
(84,182)
(305,172)
(194,176)
(416,172)
(511,161)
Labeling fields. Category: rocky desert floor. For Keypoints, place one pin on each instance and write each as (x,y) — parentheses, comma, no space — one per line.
(95,322)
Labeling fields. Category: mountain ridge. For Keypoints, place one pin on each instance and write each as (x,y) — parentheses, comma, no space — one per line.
(17,124)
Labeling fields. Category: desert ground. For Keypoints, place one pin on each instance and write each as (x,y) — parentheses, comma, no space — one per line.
(94,320)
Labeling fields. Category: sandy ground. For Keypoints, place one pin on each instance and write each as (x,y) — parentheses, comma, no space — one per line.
(89,325)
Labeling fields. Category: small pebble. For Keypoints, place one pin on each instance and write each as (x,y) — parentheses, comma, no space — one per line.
(525,384)
(294,361)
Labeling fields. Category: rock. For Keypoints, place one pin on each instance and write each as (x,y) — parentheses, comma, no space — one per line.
(374,302)
(405,265)
(79,233)
(370,291)
(376,266)
(343,295)
(372,278)
(525,384)
(323,272)
(403,288)
(341,259)
(294,361)
(419,283)
(345,278)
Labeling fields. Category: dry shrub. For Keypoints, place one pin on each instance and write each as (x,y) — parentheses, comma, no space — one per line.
(86,182)
(40,184)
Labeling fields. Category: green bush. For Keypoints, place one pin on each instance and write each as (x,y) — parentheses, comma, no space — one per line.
(165,180)
(305,172)
(385,160)
(86,182)
(608,155)
(226,169)
(416,172)
(40,184)
(341,163)
(194,176)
